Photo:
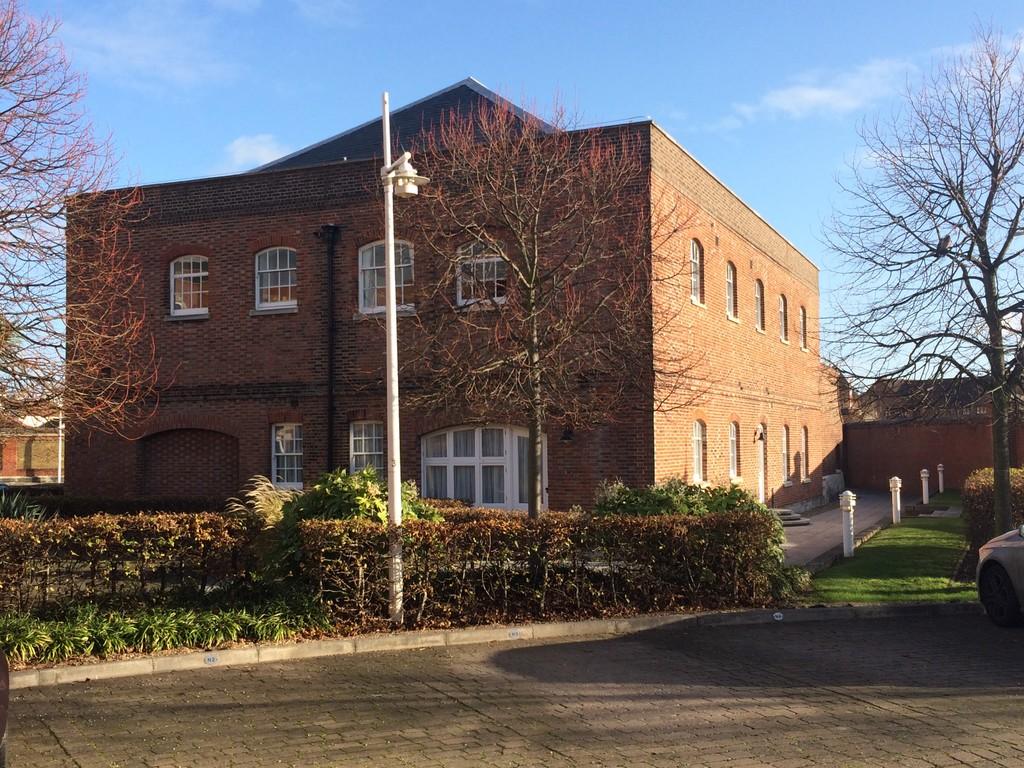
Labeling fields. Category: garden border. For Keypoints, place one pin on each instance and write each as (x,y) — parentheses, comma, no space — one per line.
(256,654)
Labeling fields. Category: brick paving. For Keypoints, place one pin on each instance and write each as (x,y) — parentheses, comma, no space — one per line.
(883,692)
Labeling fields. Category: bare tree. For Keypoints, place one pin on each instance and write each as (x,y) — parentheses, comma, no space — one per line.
(71,335)
(932,239)
(539,297)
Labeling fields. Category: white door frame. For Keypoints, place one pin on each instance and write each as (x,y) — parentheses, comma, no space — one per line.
(761,462)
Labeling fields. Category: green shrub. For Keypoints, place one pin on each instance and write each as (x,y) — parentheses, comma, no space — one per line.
(361,495)
(504,567)
(978,500)
(672,497)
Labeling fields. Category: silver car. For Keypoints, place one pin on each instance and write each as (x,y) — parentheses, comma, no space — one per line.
(1001,577)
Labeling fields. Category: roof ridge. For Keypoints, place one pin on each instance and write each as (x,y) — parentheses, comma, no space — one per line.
(468,82)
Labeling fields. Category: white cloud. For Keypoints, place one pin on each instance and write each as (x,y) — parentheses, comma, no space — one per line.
(815,94)
(147,44)
(247,152)
(334,13)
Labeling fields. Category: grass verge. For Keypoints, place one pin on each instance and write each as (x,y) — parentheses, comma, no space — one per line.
(914,561)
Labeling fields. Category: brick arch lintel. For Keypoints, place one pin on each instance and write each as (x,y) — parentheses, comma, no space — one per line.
(206,423)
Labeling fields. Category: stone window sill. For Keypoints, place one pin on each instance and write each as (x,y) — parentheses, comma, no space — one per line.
(274,311)
(733,318)
(185,318)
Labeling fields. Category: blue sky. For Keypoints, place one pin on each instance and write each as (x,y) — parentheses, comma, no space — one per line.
(766,94)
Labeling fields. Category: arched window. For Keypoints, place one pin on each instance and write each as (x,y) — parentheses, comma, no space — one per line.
(734,449)
(700,451)
(759,304)
(483,276)
(188,286)
(276,278)
(373,276)
(805,471)
(783,318)
(480,465)
(696,272)
(785,455)
(803,328)
(731,295)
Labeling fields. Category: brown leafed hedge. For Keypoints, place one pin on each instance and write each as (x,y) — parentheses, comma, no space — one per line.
(977,498)
(480,567)
(120,556)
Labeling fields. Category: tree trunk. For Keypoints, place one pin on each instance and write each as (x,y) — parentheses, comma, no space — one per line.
(535,451)
(1001,462)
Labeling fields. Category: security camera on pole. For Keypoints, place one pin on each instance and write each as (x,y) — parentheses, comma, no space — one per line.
(399,178)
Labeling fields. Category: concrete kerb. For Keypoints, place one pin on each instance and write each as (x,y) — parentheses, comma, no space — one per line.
(257,654)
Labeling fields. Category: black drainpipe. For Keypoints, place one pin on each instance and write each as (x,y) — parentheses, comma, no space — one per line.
(329,234)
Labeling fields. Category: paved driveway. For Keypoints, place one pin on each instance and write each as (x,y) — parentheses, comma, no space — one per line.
(869,692)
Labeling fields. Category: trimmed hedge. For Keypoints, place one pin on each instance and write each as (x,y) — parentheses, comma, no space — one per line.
(479,567)
(977,498)
(79,506)
(123,556)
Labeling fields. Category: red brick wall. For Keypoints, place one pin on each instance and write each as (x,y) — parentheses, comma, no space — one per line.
(207,460)
(236,373)
(745,375)
(876,451)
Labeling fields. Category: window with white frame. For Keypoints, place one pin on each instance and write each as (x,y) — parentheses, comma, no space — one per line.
(783,318)
(373,276)
(700,451)
(188,286)
(366,446)
(759,304)
(785,455)
(276,278)
(483,276)
(696,272)
(286,455)
(480,465)
(734,450)
(731,297)
(803,328)
(805,472)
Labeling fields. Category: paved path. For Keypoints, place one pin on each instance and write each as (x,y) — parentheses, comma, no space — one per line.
(809,542)
(910,692)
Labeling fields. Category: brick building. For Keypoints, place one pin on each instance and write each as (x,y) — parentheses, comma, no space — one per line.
(250,326)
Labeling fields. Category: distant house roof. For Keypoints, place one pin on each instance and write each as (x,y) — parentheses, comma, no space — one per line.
(364,142)
(925,395)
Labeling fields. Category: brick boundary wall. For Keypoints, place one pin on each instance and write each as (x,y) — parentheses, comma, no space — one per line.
(877,450)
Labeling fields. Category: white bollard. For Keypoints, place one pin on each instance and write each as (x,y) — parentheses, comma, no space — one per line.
(847,501)
(895,484)
(924,486)
(942,481)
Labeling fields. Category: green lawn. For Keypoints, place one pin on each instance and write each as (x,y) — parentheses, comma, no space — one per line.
(946,498)
(910,562)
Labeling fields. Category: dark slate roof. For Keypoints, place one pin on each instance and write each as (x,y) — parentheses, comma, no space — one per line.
(364,141)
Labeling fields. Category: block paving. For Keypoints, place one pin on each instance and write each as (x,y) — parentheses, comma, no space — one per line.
(884,692)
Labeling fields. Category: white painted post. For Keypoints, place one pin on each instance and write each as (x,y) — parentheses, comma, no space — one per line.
(895,484)
(942,481)
(924,486)
(847,501)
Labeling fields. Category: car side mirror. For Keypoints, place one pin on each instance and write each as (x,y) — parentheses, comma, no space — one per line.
(1021,531)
